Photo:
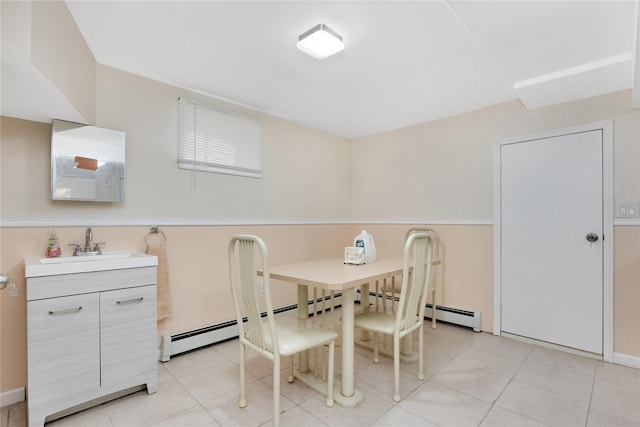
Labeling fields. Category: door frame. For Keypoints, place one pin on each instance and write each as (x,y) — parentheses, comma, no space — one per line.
(607,217)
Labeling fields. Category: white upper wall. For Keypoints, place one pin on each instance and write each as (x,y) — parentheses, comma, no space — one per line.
(442,171)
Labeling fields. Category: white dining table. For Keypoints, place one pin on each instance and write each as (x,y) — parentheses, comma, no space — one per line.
(334,275)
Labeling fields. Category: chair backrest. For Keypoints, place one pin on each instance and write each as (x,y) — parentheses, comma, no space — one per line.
(416,275)
(243,280)
(435,237)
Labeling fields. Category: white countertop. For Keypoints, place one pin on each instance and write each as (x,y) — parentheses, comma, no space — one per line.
(36,267)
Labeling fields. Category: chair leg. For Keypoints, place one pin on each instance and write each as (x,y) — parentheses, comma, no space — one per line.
(396,368)
(276,391)
(433,310)
(330,378)
(376,357)
(243,397)
(420,354)
(290,376)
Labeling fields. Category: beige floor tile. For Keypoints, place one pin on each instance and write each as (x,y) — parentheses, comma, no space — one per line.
(163,374)
(401,417)
(444,406)
(193,417)
(258,365)
(599,417)
(188,363)
(455,332)
(229,349)
(259,410)
(296,417)
(142,409)
(211,382)
(4,416)
(378,379)
(432,364)
(479,383)
(296,391)
(617,398)
(542,405)
(557,380)
(490,360)
(505,345)
(618,374)
(444,346)
(563,360)
(464,370)
(14,415)
(365,414)
(83,419)
(498,417)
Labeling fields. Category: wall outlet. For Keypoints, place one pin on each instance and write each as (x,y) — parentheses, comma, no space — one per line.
(628,210)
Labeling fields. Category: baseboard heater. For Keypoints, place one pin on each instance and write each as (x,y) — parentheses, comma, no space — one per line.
(470,319)
(171,345)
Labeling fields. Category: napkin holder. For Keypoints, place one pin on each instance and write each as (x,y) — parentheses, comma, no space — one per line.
(353,255)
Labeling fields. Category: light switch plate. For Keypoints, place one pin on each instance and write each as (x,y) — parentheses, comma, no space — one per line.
(628,210)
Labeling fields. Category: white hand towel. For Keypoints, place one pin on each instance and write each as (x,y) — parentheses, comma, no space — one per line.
(164,288)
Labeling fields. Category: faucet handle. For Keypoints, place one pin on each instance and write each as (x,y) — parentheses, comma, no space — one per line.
(96,246)
(77,246)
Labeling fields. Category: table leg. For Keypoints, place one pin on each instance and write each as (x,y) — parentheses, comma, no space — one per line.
(348,350)
(348,396)
(303,314)
(365,335)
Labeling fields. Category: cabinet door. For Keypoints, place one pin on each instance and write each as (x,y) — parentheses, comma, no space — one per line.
(63,341)
(129,333)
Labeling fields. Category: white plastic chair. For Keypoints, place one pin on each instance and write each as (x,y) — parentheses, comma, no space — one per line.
(409,314)
(393,289)
(262,334)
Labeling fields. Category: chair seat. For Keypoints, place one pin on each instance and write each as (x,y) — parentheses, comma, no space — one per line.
(294,337)
(376,321)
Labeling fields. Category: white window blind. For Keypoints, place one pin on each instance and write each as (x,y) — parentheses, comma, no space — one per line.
(216,141)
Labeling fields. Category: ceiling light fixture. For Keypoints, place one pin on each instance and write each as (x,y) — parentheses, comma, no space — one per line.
(320,42)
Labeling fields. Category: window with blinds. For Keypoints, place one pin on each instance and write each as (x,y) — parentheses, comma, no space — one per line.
(216,141)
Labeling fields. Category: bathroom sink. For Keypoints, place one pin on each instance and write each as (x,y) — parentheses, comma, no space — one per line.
(82,258)
(35,267)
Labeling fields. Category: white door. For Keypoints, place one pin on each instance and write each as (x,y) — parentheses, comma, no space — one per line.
(551,271)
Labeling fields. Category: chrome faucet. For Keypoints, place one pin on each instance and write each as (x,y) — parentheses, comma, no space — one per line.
(87,250)
(88,237)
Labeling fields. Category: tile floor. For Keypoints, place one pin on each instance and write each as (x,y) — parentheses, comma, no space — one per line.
(472,379)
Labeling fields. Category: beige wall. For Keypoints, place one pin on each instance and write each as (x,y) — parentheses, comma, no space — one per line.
(314,194)
(465,278)
(442,171)
(197,211)
(61,53)
(295,186)
(198,273)
(626,276)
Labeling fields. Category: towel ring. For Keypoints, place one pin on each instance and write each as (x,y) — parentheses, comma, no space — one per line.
(154,231)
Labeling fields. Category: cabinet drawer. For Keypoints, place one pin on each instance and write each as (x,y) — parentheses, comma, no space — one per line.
(63,347)
(83,283)
(129,337)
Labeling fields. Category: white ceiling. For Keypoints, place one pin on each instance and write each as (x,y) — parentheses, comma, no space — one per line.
(404,62)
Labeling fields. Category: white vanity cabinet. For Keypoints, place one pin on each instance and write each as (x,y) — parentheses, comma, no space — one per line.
(90,336)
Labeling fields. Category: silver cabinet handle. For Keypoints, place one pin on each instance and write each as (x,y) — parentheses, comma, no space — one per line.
(66,311)
(130,301)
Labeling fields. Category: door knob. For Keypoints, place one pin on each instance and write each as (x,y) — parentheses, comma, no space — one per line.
(592,237)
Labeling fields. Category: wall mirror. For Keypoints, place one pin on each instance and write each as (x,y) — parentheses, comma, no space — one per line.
(87,163)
